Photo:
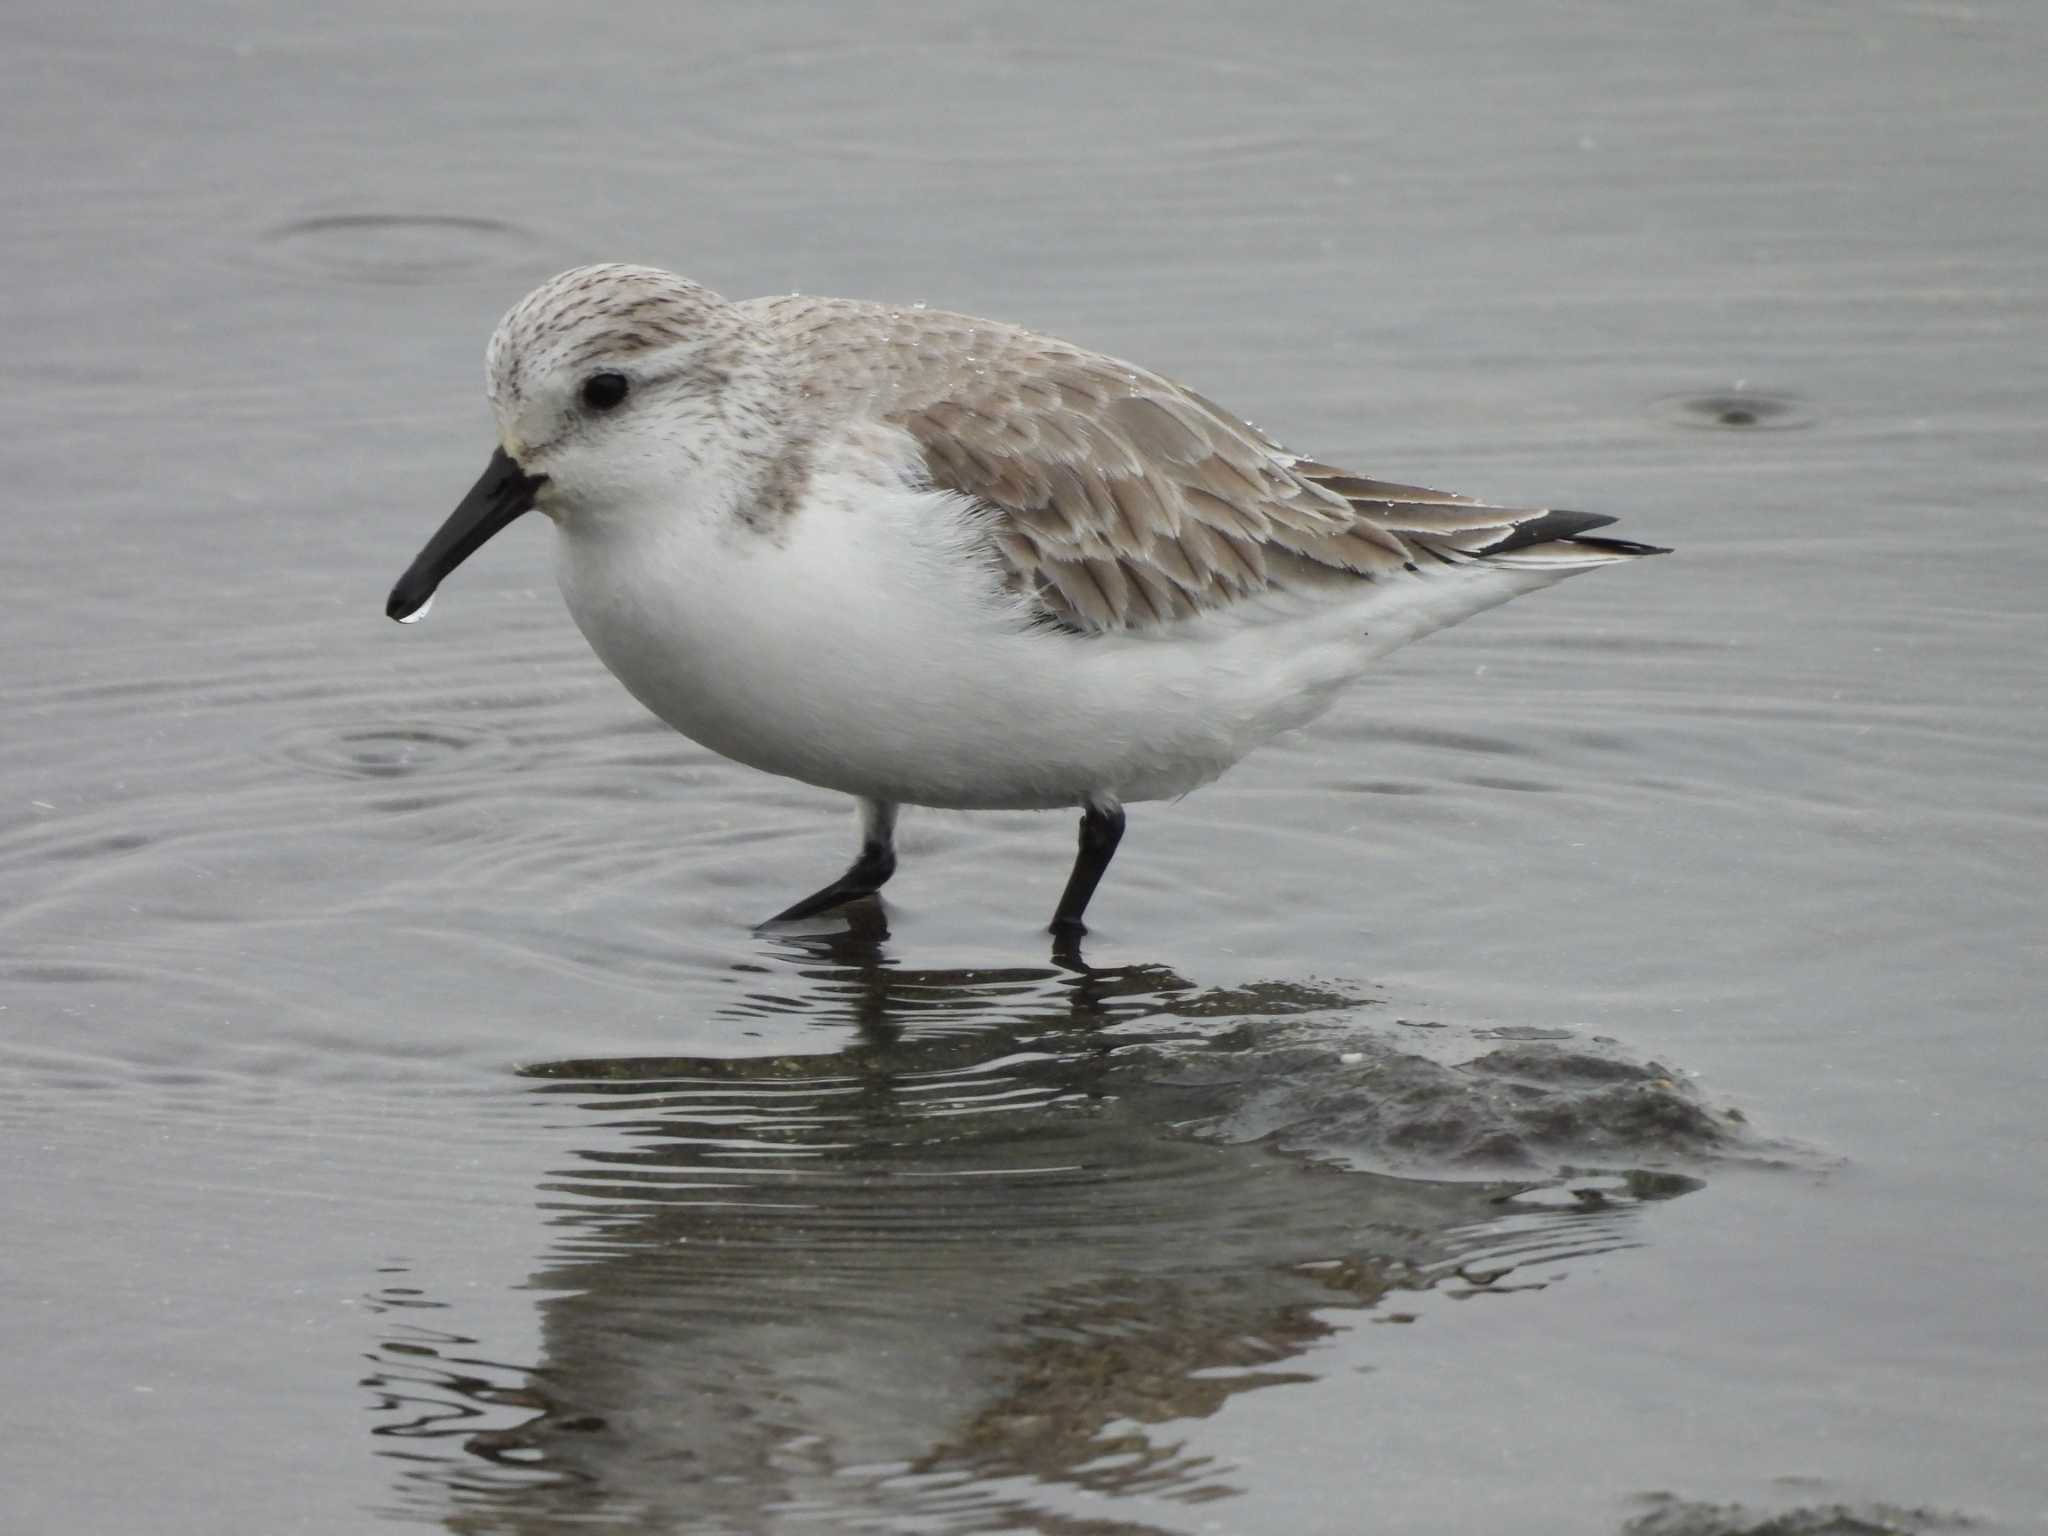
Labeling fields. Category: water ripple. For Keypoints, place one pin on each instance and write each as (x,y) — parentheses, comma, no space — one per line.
(360,751)
(377,247)
(1741,409)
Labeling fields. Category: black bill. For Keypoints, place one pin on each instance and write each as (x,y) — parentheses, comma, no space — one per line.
(501,493)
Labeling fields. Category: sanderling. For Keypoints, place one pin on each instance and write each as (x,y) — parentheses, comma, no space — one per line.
(929,559)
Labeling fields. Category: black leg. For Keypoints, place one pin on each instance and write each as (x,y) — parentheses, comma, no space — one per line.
(866,875)
(1102,828)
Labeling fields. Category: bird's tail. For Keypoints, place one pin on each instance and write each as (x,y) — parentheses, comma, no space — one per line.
(1466,556)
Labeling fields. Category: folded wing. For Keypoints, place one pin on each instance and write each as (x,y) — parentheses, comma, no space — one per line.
(1123,501)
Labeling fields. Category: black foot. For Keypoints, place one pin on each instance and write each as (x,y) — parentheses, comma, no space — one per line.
(867,875)
(1102,828)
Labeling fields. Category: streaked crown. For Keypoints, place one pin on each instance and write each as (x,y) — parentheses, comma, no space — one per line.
(595,314)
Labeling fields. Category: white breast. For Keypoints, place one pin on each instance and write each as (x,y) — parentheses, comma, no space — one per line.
(866,645)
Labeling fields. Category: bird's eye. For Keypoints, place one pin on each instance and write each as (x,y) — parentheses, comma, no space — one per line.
(602,391)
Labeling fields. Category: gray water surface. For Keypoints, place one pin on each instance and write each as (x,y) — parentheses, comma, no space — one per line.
(1589,1081)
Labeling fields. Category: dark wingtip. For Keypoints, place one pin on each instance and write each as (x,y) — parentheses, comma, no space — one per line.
(1567,527)
(1624,547)
(1545,528)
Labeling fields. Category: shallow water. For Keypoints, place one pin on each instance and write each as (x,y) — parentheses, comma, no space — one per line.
(1600,1060)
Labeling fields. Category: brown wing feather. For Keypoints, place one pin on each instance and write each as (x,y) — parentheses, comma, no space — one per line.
(1128,502)
(1122,499)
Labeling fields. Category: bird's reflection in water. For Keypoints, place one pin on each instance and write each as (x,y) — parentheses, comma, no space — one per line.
(966,1255)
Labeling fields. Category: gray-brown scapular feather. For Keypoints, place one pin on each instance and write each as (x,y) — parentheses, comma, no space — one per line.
(1120,499)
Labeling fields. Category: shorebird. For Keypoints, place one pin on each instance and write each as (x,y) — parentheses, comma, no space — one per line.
(928,559)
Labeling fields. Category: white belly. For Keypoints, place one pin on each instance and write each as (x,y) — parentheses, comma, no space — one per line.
(865,650)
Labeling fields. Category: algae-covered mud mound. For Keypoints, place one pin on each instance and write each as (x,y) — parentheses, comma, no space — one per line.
(1671,1516)
(1358,1096)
